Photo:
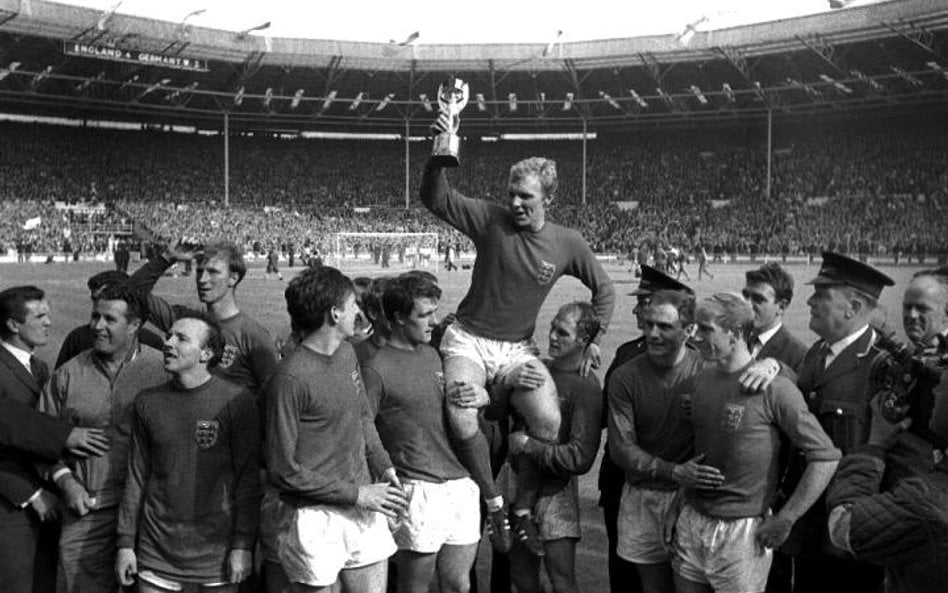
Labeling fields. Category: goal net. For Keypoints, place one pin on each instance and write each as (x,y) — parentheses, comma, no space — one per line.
(396,251)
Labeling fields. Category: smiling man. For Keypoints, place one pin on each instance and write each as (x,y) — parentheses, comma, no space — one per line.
(651,439)
(925,308)
(96,389)
(188,517)
(404,382)
(520,256)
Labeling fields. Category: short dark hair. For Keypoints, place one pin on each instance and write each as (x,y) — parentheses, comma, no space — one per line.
(107,278)
(13,305)
(372,300)
(137,304)
(776,277)
(588,323)
(422,274)
(683,302)
(311,295)
(227,251)
(400,294)
(214,338)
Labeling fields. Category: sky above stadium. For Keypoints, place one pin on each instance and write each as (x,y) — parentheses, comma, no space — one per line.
(466,21)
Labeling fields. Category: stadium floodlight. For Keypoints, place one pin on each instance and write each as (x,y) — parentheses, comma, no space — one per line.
(861,77)
(638,99)
(836,84)
(608,99)
(193,13)
(909,78)
(88,82)
(512,101)
(568,103)
(728,92)
(426,102)
(937,68)
(239,97)
(179,92)
(481,103)
(267,96)
(542,97)
(665,96)
(384,102)
(329,99)
(356,102)
(759,90)
(246,32)
(10,68)
(129,81)
(699,95)
(154,87)
(296,99)
(42,75)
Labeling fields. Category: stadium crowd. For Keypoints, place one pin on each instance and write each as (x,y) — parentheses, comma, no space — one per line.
(738,458)
(876,190)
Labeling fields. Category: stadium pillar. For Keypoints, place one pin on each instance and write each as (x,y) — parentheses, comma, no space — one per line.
(770,149)
(407,166)
(585,130)
(226,159)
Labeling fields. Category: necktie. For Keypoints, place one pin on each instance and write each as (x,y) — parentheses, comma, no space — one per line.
(825,353)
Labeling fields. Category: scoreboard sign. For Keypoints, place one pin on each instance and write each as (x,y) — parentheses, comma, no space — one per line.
(143,58)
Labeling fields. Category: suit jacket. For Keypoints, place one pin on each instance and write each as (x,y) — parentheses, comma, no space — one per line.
(786,348)
(27,435)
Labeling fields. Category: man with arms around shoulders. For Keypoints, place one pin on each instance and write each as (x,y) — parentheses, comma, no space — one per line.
(404,382)
(563,460)
(724,534)
(96,389)
(650,437)
(323,453)
(622,574)
(189,513)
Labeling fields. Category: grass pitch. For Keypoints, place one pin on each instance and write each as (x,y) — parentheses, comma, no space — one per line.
(262,298)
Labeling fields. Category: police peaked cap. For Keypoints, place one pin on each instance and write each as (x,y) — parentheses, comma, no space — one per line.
(839,269)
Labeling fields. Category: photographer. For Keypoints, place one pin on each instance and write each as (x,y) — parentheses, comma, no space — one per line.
(903,528)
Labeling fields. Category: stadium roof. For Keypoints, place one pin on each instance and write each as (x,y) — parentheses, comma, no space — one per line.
(82,63)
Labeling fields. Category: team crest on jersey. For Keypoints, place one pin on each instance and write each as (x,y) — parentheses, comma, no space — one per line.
(439,377)
(546,271)
(357,380)
(228,357)
(206,433)
(731,416)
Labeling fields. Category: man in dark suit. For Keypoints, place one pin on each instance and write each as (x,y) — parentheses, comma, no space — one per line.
(834,379)
(622,574)
(29,439)
(769,289)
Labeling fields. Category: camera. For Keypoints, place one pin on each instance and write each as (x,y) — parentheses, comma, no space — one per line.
(906,378)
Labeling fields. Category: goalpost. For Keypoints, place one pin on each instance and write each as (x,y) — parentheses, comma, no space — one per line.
(396,251)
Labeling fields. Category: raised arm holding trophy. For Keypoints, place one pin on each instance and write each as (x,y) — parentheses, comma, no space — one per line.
(491,343)
(452,98)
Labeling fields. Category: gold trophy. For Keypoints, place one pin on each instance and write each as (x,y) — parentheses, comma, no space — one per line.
(452,97)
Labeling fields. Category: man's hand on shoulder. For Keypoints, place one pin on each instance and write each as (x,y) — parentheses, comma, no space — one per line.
(759,375)
(592,359)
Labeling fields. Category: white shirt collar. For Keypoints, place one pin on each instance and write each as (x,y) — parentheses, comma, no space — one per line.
(20,354)
(839,346)
(764,337)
